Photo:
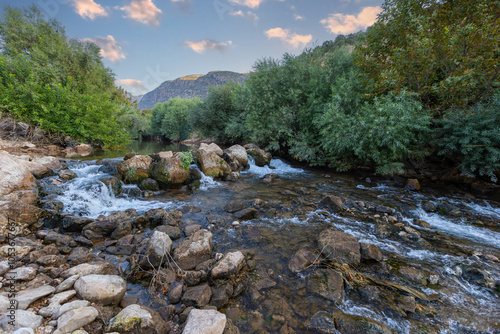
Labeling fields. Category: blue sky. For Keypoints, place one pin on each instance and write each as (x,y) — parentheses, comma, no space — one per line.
(146,42)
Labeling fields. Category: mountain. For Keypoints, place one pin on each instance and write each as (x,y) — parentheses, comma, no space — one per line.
(195,85)
(134,98)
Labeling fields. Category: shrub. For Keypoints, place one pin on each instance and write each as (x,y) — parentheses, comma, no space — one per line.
(382,133)
(170,119)
(472,136)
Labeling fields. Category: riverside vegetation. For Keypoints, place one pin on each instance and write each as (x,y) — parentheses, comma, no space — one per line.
(422,84)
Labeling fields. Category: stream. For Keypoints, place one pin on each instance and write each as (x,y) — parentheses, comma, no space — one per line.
(450,256)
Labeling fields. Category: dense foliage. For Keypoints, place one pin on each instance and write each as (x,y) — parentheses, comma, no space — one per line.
(170,119)
(472,137)
(448,52)
(59,84)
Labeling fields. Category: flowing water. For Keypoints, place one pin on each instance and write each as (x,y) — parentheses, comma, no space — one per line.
(292,219)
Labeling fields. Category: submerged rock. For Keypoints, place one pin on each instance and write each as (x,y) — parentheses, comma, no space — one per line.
(301,260)
(355,324)
(326,283)
(340,247)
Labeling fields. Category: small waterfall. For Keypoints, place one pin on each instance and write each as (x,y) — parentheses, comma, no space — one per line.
(206,182)
(277,166)
(87,196)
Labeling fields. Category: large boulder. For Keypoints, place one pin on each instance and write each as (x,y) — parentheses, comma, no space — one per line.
(211,162)
(40,166)
(340,247)
(138,319)
(102,289)
(135,169)
(239,153)
(261,157)
(194,250)
(167,169)
(205,322)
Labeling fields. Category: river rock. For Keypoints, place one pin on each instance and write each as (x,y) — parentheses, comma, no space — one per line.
(412,184)
(246,214)
(83,150)
(15,175)
(235,205)
(76,304)
(21,274)
(240,154)
(74,223)
(40,166)
(51,260)
(333,202)
(229,266)
(72,320)
(59,239)
(172,231)
(449,209)
(166,169)
(322,322)
(197,296)
(113,184)
(149,184)
(192,228)
(174,296)
(301,260)
(354,324)
(138,319)
(221,295)
(157,248)
(340,247)
(102,289)
(194,250)
(25,298)
(326,283)
(80,255)
(23,319)
(205,322)
(94,268)
(67,175)
(370,252)
(210,161)
(67,284)
(135,169)
(55,303)
(260,156)
(413,274)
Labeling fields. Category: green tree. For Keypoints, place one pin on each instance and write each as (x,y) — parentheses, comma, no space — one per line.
(58,84)
(448,52)
(170,119)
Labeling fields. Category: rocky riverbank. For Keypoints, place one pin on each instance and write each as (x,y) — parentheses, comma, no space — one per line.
(265,254)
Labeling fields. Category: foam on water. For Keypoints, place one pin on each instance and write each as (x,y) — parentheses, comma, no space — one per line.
(87,196)
(277,166)
(461,230)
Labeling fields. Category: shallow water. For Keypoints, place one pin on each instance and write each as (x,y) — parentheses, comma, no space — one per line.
(291,222)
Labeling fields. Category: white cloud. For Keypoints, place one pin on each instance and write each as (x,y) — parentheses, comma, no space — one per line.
(298,17)
(110,48)
(294,40)
(250,16)
(132,85)
(347,24)
(88,8)
(248,3)
(143,11)
(208,44)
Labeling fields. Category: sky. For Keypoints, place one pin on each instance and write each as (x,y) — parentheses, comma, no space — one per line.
(146,42)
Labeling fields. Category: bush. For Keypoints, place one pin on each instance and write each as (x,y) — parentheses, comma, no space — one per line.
(211,117)
(382,133)
(170,119)
(472,136)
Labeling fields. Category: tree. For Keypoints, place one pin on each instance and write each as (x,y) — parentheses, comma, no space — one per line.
(170,119)
(447,51)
